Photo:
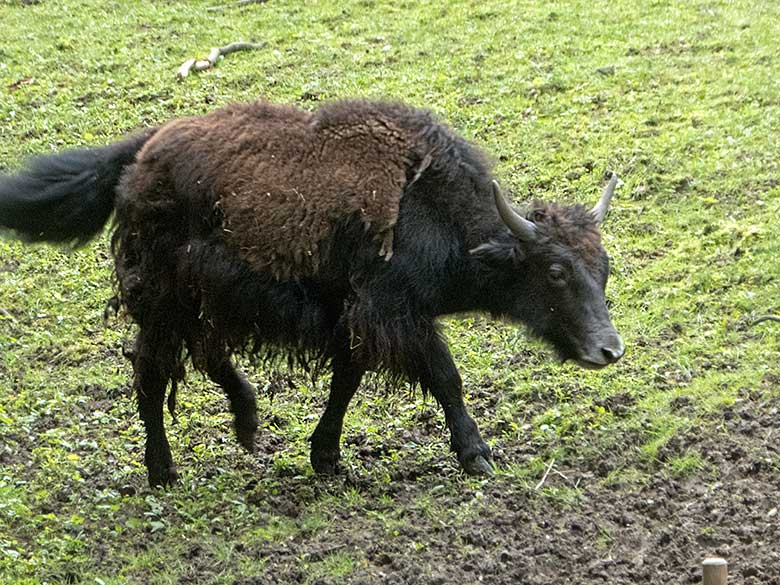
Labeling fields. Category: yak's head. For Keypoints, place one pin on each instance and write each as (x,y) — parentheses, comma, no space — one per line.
(554,270)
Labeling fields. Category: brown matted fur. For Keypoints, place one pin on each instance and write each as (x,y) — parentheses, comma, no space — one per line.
(283,179)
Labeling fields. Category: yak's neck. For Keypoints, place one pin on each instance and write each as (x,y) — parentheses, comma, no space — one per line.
(472,289)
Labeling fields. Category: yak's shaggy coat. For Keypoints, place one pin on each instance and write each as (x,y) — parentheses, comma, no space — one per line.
(281,180)
(242,217)
(335,237)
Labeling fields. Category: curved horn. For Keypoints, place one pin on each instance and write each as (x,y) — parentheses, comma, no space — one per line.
(599,212)
(523,229)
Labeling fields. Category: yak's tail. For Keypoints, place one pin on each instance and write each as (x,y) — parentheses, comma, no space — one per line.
(66,198)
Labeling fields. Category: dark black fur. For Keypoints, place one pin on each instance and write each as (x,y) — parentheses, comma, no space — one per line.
(66,198)
(191,294)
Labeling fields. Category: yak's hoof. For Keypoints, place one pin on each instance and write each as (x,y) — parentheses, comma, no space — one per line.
(245,433)
(478,466)
(245,426)
(325,462)
(163,476)
(476,459)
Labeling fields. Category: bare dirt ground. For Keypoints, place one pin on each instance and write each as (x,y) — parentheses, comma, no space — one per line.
(617,534)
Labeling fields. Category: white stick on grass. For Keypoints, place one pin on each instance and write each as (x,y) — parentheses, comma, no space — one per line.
(544,477)
(214,55)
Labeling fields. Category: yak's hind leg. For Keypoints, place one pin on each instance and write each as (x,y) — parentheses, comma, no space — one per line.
(325,441)
(154,364)
(241,396)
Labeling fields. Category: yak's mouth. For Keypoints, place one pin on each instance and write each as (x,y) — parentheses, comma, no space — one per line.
(597,359)
(606,355)
(596,354)
(589,365)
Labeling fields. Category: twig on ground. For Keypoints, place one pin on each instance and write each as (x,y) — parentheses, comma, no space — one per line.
(576,484)
(235,5)
(544,477)
(214,56)
(184,70)
(765,318)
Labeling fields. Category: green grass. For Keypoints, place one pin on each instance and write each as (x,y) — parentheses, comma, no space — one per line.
(681,99)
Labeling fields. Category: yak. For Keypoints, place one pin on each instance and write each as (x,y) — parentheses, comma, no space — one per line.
(332,238)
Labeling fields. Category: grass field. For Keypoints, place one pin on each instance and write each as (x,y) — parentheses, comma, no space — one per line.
(667,457)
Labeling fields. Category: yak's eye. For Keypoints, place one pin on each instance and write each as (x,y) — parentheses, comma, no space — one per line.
(557,275)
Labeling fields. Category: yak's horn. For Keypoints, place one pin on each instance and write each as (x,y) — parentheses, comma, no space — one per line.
(600,210)
(523,229)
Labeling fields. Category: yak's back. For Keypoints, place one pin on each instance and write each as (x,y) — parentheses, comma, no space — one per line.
(276,182)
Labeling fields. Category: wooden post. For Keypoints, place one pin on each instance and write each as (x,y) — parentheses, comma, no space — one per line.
(715,571)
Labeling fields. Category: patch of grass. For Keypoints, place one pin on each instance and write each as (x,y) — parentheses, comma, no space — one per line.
(630,478)
(686,464)
(336,566)
(679,98)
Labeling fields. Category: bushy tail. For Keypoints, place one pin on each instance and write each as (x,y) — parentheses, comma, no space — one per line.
(68,197)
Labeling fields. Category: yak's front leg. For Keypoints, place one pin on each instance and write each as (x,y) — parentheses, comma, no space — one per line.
(326,439)
(440,376)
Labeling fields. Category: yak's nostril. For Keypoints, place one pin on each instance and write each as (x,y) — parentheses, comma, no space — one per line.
(611,354)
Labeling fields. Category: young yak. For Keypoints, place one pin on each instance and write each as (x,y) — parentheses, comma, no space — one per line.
(335,237)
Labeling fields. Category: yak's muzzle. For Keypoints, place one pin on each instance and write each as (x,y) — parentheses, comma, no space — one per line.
(608,350)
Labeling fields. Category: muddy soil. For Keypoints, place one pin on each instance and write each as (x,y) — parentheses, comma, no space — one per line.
(657,533)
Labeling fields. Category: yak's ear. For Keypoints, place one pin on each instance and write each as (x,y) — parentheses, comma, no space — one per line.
(507,251)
